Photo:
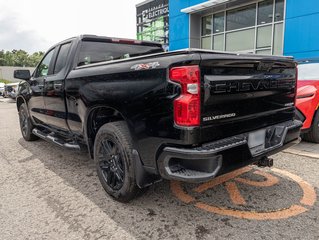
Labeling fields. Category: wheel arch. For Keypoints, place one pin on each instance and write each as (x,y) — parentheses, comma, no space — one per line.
(96,117)
(19,101)
(100,115)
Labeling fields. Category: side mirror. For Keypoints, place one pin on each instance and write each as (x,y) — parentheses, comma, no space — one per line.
(22,74)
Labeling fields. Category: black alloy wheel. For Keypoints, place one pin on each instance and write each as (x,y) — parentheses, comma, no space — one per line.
(111,164)
(113,155)
(26,125)
(23,117)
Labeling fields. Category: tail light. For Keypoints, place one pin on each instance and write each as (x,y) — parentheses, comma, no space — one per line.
(187,105)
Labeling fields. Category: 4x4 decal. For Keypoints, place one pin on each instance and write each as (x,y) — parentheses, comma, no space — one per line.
(145,66)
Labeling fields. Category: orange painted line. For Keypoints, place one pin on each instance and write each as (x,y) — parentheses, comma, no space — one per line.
(309,197)
(270,180)
(309,194)
(221,179)
(280,214)
(178,191)
(234,193)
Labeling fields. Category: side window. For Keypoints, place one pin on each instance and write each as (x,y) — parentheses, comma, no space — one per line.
(62,57)
(43,68)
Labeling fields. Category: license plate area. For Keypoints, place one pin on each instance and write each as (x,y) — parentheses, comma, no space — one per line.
(256,141)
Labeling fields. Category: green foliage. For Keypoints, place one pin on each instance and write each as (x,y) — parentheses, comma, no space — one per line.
(4,81)
(20,58)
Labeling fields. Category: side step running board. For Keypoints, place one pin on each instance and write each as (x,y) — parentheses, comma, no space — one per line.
(58,141)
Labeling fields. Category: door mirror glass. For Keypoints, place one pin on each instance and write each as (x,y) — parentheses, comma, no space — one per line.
(22,74)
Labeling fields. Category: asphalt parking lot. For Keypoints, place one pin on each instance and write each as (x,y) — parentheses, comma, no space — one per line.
(51,193)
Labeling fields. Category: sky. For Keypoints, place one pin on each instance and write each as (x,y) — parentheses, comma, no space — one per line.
(35,25)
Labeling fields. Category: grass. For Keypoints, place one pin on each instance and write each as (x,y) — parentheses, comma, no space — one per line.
(4,81)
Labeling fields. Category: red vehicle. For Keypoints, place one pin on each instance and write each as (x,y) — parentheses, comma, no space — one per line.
(308,99)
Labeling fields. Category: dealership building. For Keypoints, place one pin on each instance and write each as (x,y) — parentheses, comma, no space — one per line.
(152,20)
(280,27)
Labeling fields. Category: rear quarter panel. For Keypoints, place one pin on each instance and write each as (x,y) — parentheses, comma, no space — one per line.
(143,97)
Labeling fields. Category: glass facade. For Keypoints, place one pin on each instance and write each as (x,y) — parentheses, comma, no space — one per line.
(254,28)
(153,21)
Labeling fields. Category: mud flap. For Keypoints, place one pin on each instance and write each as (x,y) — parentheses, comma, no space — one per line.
(143,177)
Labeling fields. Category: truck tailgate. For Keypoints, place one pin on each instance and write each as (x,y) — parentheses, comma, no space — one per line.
(241,94)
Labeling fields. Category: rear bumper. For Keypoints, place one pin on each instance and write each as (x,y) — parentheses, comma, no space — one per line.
(216,158)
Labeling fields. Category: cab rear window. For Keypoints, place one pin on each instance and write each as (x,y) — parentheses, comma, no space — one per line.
(95,52)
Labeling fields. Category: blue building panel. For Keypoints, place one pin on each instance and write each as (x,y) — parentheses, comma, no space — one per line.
(179,23)
(195,2)
(175,7)
(297,8)
(179,44)
(179,32)
(301,38)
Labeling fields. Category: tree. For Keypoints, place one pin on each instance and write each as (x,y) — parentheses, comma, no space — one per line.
(20,58)
(35,58)
(2,58)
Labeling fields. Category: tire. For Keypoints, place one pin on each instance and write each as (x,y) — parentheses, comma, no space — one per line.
(26,125)
(113,156)
(313,134)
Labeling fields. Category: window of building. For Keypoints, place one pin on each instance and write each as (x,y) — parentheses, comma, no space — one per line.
(152,21)
(218,42)
(279,10)
(255,28)
(246,42)
(264,36)
(207,42)
(278,39)
(207,25)
(219,23)
(263,52)
(241,18)
(265,12)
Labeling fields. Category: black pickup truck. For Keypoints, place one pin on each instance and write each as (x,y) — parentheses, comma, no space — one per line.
(145,114)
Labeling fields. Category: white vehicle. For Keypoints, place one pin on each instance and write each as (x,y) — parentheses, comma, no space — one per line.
(10,90)
(1,88)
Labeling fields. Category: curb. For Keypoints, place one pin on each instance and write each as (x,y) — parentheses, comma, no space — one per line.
(302,153)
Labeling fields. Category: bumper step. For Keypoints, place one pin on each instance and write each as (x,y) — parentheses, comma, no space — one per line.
(224,144)
(182,172)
